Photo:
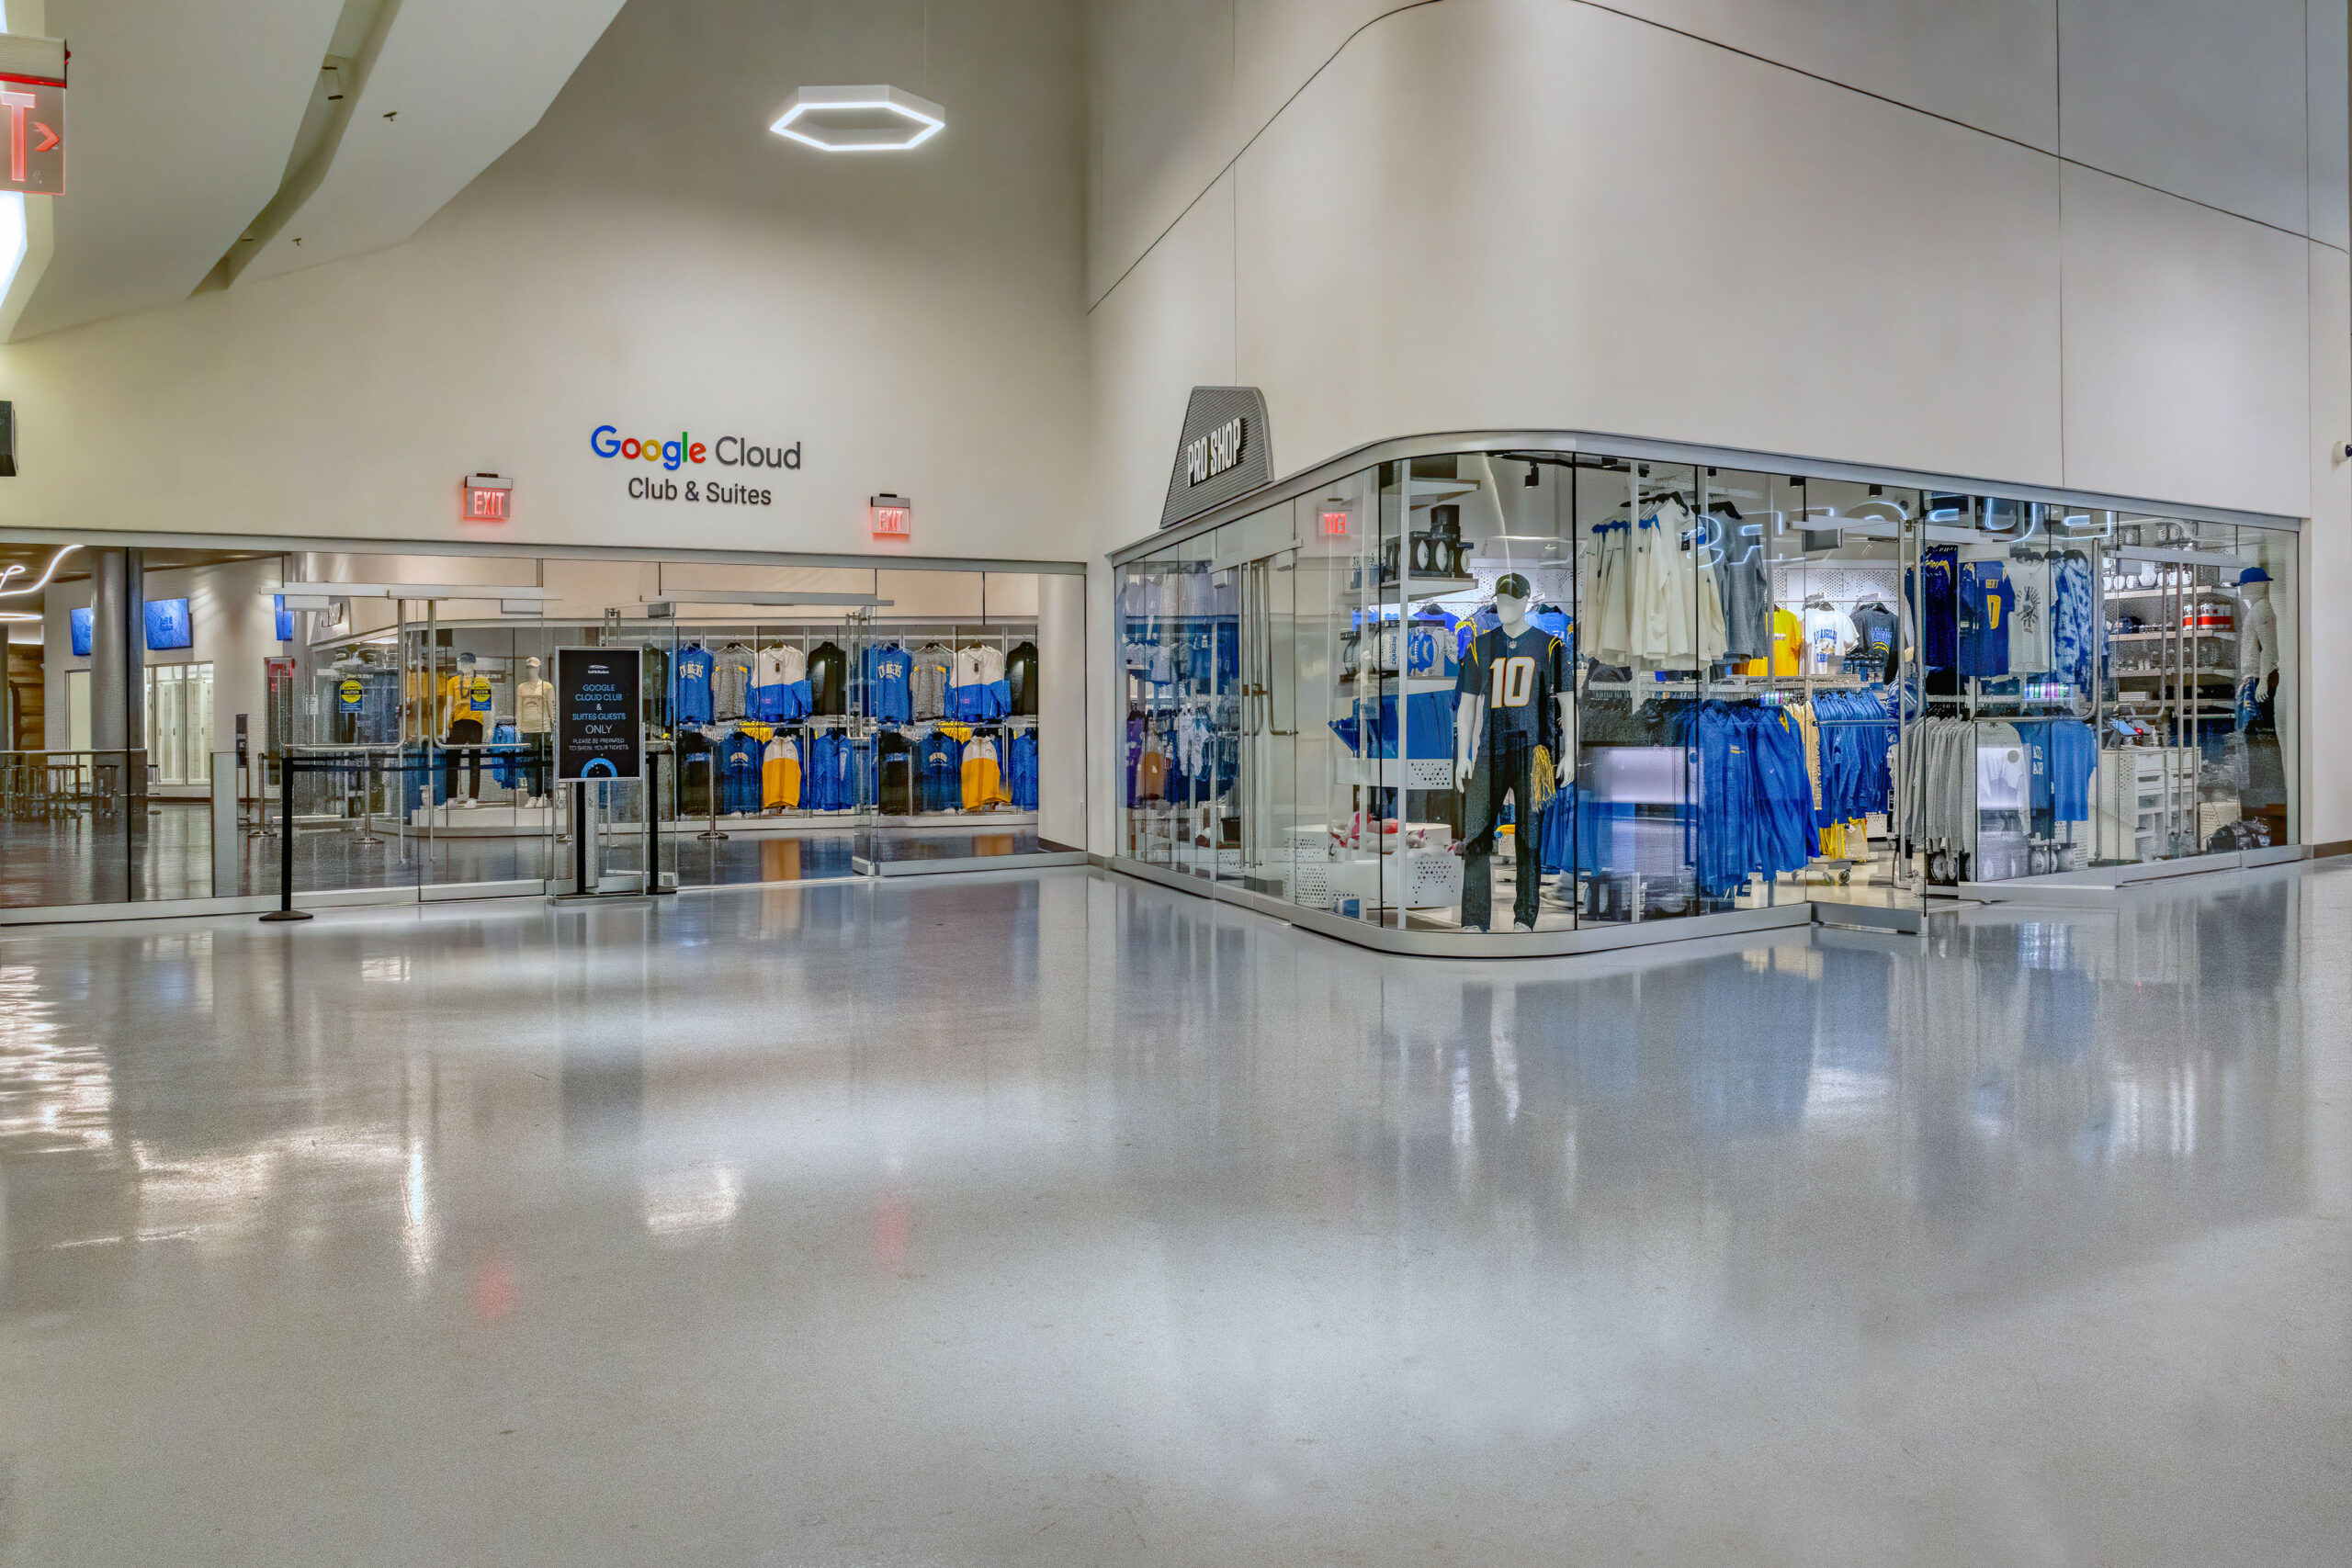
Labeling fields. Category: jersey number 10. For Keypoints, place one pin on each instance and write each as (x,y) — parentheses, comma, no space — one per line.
(1514,682)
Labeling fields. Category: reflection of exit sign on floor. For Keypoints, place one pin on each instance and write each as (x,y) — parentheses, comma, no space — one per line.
(32,99)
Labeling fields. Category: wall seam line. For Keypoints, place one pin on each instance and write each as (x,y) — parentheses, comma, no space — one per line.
(2056,156)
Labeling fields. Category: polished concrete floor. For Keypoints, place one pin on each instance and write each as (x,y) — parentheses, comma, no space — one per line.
(167,854)
(1062,1219)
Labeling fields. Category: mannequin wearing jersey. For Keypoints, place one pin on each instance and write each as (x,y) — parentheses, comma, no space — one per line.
(1515,698)
(2258,649)
(535,724)
(466,696)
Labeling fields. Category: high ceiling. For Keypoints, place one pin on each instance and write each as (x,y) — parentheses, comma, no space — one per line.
(206,136)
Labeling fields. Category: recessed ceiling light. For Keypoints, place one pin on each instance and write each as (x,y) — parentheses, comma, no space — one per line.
(858,119)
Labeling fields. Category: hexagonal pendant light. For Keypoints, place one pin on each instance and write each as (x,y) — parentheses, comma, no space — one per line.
(858,119)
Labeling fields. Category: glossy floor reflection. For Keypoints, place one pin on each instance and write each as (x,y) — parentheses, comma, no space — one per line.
(1063,1219)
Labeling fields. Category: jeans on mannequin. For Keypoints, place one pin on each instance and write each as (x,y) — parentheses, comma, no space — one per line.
(1505,768)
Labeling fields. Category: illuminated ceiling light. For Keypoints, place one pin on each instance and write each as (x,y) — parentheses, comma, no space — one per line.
(858,119)
(10,573)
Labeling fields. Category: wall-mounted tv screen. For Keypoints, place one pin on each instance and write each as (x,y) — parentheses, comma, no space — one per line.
(168,625)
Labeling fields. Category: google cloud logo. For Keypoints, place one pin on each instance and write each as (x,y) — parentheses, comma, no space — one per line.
(673,451)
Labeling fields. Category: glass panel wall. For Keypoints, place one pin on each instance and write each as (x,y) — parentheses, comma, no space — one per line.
(802,722)
(1545,690)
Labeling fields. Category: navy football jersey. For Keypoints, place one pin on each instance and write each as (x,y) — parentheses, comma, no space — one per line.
(1520,677)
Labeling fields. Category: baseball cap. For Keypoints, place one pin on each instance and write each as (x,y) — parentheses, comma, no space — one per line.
(2251,574)
(1515,585)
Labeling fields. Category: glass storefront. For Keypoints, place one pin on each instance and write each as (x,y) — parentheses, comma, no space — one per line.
(1544,689)
(802,722)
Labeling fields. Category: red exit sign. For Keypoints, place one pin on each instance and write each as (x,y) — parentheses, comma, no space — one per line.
(488,497)
(1335,524)
(893,516)
(32,112)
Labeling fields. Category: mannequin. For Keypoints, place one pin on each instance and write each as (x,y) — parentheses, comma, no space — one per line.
(2257,646)
(466,696)
(535,723)
(1515,697)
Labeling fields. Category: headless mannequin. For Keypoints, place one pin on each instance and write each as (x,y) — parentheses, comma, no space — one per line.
(466,730)
(1470,724)
(2258,643)
(535,722)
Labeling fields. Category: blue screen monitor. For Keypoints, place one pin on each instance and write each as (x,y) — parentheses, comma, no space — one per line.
(81,634)
(285,617)
(168,625)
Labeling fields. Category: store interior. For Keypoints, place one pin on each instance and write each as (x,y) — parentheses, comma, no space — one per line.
(801,722)
(1543,691)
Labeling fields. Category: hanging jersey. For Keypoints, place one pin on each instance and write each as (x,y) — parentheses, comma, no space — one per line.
(780,775)
(828,681)
(692,704)
(2030,615)
(779,685)
(1021,678)
(730,681)
(1021,769)
(1521,679)
(889,694)
(739,762)
(942,761)
(996,695)
(1985,605)
(982,777)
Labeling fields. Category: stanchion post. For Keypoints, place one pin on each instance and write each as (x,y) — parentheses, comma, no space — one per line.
(285,909)
(580,839)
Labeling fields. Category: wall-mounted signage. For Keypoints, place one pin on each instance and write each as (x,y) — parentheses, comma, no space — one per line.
(348,694)
(1335,522)
(670,454)
(1226,450)
(169,625)
(486,499)
(32,100)
(892,516)
(597,733)
(80,625)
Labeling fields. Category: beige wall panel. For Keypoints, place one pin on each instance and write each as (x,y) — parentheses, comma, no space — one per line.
(2327,556)
(2329,72)
(1161,73)
(1476,217)
(2204,99)
(2188,348)
(1989,63)
(1166,330)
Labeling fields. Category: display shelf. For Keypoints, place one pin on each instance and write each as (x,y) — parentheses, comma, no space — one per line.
(1387,680)
(1387,773)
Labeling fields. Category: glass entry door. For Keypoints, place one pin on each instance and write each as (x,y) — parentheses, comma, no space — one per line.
(1264,716)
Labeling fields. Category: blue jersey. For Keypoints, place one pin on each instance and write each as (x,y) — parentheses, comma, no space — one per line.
(738,764)
(692,673)
(890,687)
(1522,678)
(1021,769)
(942,761)
(1984,618)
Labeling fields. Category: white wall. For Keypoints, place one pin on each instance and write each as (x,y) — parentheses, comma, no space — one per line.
(648,257)
(2084,243)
